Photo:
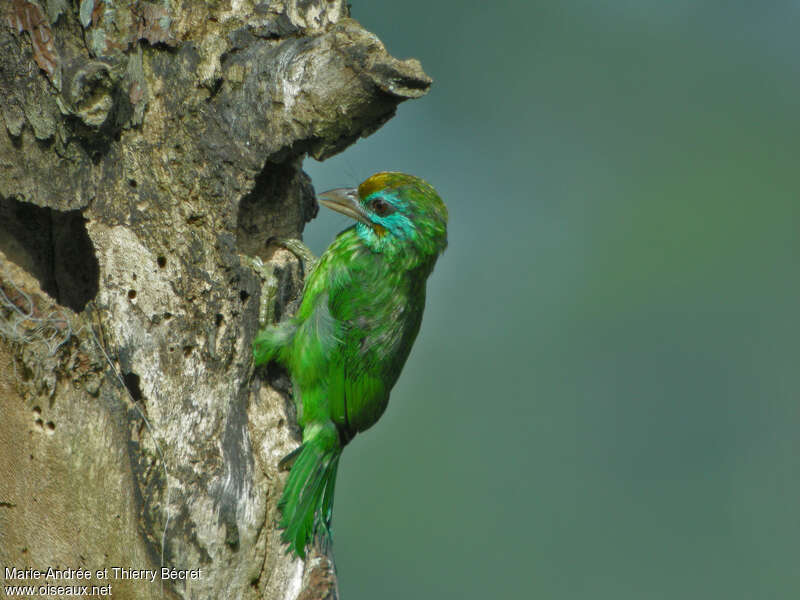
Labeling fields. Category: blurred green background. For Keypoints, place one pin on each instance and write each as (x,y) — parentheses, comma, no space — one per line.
(603,399)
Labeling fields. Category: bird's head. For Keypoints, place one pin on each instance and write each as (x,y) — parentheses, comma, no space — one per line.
(395,213)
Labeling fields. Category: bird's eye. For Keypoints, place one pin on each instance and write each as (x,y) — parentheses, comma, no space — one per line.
(381,207)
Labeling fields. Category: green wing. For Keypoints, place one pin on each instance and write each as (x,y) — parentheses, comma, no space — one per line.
(356,397)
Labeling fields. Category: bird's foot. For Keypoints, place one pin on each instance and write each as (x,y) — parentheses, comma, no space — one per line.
(267,310)
(300,250)
(269,288)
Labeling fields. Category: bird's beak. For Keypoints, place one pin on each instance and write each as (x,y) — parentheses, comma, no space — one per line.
(345,201)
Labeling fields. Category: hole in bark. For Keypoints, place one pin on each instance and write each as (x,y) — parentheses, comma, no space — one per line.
(132,383)
(243,296)
(281,201)
(54,247)
(132,183)
(218,319)
(162,262)
(187,351)
(134,276)
(131,294)
(167,315)
(39,424)
(37,412)
(216,86)
(51,427)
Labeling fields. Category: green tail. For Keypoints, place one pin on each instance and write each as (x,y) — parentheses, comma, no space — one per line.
(307,502)
(271,342)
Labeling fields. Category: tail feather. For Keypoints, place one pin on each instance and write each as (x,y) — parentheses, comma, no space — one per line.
(271,342)
(307,502)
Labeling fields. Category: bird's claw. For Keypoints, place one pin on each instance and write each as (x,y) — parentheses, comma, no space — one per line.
(266,271)
(269,288)
(300,250)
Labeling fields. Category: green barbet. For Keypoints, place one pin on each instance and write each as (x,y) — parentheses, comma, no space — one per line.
(360,313)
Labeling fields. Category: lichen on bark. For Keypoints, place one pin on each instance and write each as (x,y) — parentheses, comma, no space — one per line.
(146,149)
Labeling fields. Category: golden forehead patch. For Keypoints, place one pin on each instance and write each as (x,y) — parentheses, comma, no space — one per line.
(375,183)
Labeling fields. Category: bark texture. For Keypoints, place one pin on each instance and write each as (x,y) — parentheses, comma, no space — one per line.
(146,148)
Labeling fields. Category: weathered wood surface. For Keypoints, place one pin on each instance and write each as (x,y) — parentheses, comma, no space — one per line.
(145,148)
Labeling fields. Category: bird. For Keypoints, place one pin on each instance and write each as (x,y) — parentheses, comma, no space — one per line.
(345,347)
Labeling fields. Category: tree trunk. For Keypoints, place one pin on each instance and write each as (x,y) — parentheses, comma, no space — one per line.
(147,148)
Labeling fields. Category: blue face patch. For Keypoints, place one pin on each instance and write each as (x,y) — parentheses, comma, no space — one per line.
(394,223)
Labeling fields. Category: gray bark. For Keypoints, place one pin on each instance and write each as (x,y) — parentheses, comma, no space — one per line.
(146,148)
